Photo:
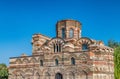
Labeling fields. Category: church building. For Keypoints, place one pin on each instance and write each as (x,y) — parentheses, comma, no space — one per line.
(66,56)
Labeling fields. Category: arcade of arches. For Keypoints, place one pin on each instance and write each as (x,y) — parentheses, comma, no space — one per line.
(66,56)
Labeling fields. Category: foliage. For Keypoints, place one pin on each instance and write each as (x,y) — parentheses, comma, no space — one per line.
(113,44)
(3,71)
(116,46)
(117,63)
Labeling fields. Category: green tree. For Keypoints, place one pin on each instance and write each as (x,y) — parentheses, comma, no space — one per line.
(113,44)
(116,46)
(3,71)
(117,62)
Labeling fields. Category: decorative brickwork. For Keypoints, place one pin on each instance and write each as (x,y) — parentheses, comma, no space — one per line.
(68,56)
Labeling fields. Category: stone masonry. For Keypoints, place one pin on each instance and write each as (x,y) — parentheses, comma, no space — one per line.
(67,56)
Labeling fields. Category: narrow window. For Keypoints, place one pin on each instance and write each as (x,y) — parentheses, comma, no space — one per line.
(73,61)
(57,47)
(54,47)
(84,47)
(71,34)
(41,62)
(58,76)
(63,32)
(56,62)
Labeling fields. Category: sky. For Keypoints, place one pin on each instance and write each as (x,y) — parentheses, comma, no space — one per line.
(20,19)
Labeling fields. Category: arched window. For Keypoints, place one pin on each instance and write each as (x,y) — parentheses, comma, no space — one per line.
(71,33)
(58,76)
(57,47)
(41,62)
(63,32)
(54,47)
(84,47)
(56,62)
(73,61)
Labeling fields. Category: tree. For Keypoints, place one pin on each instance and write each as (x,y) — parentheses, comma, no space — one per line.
(3,71)
(117,62)
(116,46)
(113,44)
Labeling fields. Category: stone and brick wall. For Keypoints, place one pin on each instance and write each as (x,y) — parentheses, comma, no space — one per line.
(95,62)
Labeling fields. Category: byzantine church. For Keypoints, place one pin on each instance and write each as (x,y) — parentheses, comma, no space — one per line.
(66,56)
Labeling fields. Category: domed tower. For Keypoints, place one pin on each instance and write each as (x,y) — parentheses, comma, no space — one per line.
(68,29)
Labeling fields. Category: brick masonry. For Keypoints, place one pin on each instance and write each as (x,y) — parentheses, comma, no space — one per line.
(93,62)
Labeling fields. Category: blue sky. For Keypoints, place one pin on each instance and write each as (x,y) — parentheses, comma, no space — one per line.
(20,19)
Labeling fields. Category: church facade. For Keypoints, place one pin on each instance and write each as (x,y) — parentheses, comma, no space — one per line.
(67,56)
